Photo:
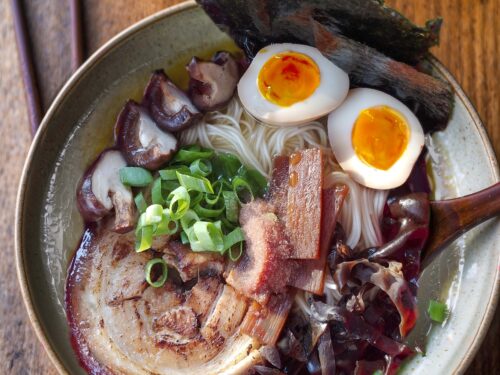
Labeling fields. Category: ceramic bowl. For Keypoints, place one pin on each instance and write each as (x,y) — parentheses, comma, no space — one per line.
(79,125)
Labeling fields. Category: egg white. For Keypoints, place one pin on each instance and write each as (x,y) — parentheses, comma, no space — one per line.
(340,125)
(331,91)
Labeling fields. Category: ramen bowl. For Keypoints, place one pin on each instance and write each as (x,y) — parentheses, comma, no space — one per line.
(79,125)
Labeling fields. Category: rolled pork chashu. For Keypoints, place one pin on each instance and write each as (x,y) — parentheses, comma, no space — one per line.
(122,325)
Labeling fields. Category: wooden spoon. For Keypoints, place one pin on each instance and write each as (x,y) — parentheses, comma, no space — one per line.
(451,218)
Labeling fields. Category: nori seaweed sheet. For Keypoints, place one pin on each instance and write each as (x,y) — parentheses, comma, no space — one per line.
(363,37)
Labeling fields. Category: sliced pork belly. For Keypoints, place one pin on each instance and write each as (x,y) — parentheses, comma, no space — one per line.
(296,190)
(264,267)
(190,264)
(278,187)
(266,322)
(305,193)
(121,325)
(310,275)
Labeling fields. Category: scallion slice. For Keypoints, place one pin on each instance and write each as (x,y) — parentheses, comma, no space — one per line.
(167,225)
(169,174)
(144,238)
(196,197)
(227,225)
(156,192)
(140,203)
(184,238)
(160,281)
(437,311)
(242,190)
(195,183)
(231,205)
(255,180)
(235,256)
(140,223)
(201,167)
(208,236)
(225,165)
(187,155)
(188,220)
(179,202)
(208,212)
(135,176)
(168,186)
(233,238)
(154,214)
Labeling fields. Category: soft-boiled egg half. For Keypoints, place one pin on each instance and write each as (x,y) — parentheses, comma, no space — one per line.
(290,84)
(376,139)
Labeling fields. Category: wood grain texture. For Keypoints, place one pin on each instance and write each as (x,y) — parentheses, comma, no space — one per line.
(453,217)
(469,48)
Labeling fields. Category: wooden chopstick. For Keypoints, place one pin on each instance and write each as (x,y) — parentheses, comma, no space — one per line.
(77,44)
(27,67)
(26,57)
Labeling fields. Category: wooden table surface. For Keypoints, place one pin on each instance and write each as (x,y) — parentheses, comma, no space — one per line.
(470,42)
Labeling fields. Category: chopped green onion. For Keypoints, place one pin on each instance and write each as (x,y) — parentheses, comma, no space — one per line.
(154,214)
(140,202)
(206,236)
(238,255)
(208,212)
(179,202)
(168,186)
(184,238)
(144,238)
(195,183)
(156,192)
(378,372)
(257,182)
(213,199)
(189,218)
(437,311)
(227,225)
(231,205)
(135,176)
(170,174)
(167,225)
(201,167)
(218,224)
(164,272)
(242,190)
(233,238)
(140,223)
(196,197)
(190,153)
(225,165)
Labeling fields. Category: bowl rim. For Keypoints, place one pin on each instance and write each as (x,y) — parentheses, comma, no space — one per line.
(94,59)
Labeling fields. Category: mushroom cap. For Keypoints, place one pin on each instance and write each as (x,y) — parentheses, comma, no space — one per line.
(101,190)
(212,83)
(141,141)
(169,106)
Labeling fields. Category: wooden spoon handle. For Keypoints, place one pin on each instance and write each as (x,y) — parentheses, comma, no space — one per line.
(451,218)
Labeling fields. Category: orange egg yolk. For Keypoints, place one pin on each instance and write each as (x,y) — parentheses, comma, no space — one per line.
(380,136)
(288,78)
